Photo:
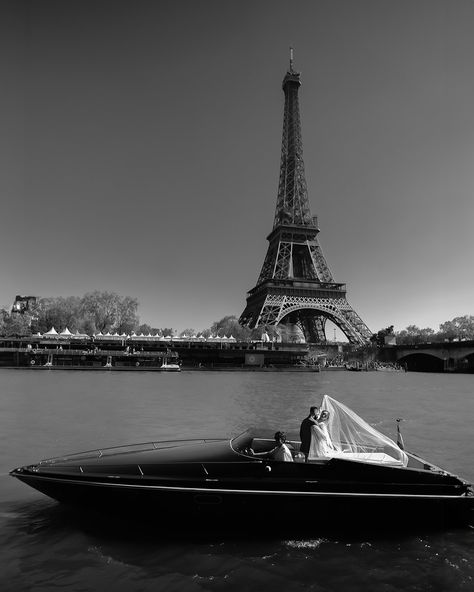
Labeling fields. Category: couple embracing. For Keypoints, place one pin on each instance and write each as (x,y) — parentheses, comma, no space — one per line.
(314,434)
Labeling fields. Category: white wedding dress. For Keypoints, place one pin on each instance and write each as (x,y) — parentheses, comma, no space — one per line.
(321,444)
(346,435)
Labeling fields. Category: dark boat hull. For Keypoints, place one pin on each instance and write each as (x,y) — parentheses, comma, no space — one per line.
(174,503)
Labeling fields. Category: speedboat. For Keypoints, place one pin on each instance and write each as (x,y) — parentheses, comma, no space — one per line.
(170,367)
(366,477)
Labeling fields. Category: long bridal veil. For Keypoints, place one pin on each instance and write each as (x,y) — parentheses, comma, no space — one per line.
(350,433)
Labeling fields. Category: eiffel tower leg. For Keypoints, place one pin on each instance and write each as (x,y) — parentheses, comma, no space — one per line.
(313,327)
(272,309)
(353,327)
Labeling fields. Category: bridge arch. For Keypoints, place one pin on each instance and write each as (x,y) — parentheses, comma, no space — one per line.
(436,356)
(422,362)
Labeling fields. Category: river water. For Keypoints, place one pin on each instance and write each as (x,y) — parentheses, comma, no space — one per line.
(47,413)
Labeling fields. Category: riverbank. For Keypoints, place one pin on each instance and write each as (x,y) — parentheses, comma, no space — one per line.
(146,355)
(160,369)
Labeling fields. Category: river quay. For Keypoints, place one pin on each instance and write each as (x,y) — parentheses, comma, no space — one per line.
(145,354)
(150,353)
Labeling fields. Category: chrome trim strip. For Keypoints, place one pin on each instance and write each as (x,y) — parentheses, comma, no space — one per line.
(246,491)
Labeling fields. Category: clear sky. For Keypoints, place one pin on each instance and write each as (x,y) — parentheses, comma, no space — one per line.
(140,150)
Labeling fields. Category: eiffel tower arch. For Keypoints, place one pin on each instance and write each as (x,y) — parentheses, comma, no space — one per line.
(295,285)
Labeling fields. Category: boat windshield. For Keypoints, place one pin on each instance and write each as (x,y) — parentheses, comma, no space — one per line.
(243,440)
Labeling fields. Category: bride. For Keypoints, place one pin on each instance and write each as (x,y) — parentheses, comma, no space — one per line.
(321,444)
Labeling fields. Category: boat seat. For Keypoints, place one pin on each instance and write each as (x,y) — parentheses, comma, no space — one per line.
(262,444)
(266,444)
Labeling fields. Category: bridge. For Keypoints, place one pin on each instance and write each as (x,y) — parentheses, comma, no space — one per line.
(445,356)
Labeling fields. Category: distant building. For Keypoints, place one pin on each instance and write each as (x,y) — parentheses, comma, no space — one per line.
(23,304)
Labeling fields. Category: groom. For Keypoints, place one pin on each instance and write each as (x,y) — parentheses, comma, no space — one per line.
(305,431)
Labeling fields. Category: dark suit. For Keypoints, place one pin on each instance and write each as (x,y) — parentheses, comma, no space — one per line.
(305,434)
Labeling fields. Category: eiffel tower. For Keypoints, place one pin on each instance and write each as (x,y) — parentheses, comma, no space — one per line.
(296,286)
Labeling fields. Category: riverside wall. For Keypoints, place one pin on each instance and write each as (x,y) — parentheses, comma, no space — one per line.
(146,354)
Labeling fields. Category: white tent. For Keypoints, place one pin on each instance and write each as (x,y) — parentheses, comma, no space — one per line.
(52,333)
(215,338)
(111,336)
(66,334)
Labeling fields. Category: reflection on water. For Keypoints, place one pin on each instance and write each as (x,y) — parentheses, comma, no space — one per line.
(47,547)
(51,548)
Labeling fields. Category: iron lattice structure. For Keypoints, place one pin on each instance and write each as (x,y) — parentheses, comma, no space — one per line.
(295,284)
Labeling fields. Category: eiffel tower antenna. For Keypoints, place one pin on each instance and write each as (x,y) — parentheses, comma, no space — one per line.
(295,286)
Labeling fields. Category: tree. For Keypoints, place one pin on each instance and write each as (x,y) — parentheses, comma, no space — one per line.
(426,334)
(148,329)
(57,312)
(126,315)
(379,337)
(3,318)
(228,326)
(95,311)
(101,309)
(167,331)
(458,328)
(18,325)
(412,334)
(107,311)
(187,333)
